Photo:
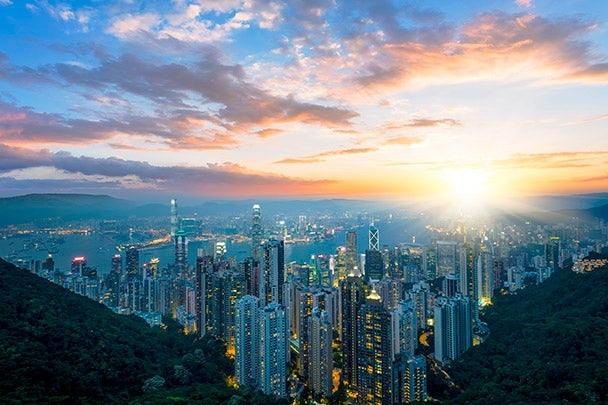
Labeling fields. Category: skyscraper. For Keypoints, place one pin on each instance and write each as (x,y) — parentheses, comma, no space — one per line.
(409,379)
(247,341)
(453,327)
(485,276)
(352,296)
(320,363)
(181,252)
(445,258)
(374,238)
(374,359)
(404,329)
(256,231)
(273,358)
(272,274)
(174,219)
(204,268)
(374,266)
(351,256)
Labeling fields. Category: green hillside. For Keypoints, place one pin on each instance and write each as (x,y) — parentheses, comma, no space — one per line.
(58,347)
(548,344)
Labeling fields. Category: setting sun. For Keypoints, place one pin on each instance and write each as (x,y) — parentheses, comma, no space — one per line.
(466,183)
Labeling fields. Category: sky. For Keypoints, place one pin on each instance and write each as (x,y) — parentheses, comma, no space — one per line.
(313,98)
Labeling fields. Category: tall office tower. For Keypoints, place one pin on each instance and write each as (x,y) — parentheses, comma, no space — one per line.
(228,286)
(189,227)
(250,268)
(305,305)
(339,262)
(445,258)
(468,276)
(453,327)
(181,252)
(204,268)
(374,238)
(409,379)
(552,253)
(374,360)
(273,359)
(322,275)
(351,256)
(132,262)
(352,296)
(256,231)
(320,364)
(404,329)
(49,264)
(485,276)
(113,281)
(174,219)
(247,341)
(78,265)
(420,295)
(374,267)
(302,225)
(153,270)
(386,258)
(272,271)
(116,264)
(451,285)
(498,273)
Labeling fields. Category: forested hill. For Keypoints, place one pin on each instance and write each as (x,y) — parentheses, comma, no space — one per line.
(59,347)
(548,344)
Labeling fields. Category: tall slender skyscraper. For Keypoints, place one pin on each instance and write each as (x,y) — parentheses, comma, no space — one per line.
(351,257)
(374,359)
(409,379)
(273,358)
(320,362)
(352,296)
(174,219)
(445,257)
(256,231)
(272,274)
(247,341)
(374,238)
(181,252)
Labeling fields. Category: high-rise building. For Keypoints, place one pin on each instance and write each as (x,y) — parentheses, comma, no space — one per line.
(250,268)
(247,341)
(228,286)
(181,252)
(132,262)
(453,328)
(320,364)
(451,285)
(445,258)
(374,266)
(174,218)
(204,268)
(256,231)
(273,357)
(352,296)
(485,276)
(420,295)
(404,329)
(78,265)
(219,253)
(409,379)
(374,359)
(374,238)
(272,272)
(339,265)
(305,306)
(351,256)
(322,274)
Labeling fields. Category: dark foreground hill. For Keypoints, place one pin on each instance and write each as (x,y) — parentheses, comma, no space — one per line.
(548,344)
(59,347)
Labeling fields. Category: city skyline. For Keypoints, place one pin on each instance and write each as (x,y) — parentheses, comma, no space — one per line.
(227,99)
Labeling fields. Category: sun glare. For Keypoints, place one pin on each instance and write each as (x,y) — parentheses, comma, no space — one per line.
(466,183)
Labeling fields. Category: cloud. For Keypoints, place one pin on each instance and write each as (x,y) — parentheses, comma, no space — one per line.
(5,3)
(321,157)
(422,123)
(597,118)
(524,3)
(212,179)
(269,132)
(403,140)
(492,46)
(557,160)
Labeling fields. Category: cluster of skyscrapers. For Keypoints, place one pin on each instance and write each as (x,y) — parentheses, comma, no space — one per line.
(326,321)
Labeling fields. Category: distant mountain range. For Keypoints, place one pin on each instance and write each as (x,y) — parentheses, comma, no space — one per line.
(48,208)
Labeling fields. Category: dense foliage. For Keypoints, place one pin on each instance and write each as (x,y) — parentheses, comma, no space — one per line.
(547,345)
(58,347)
